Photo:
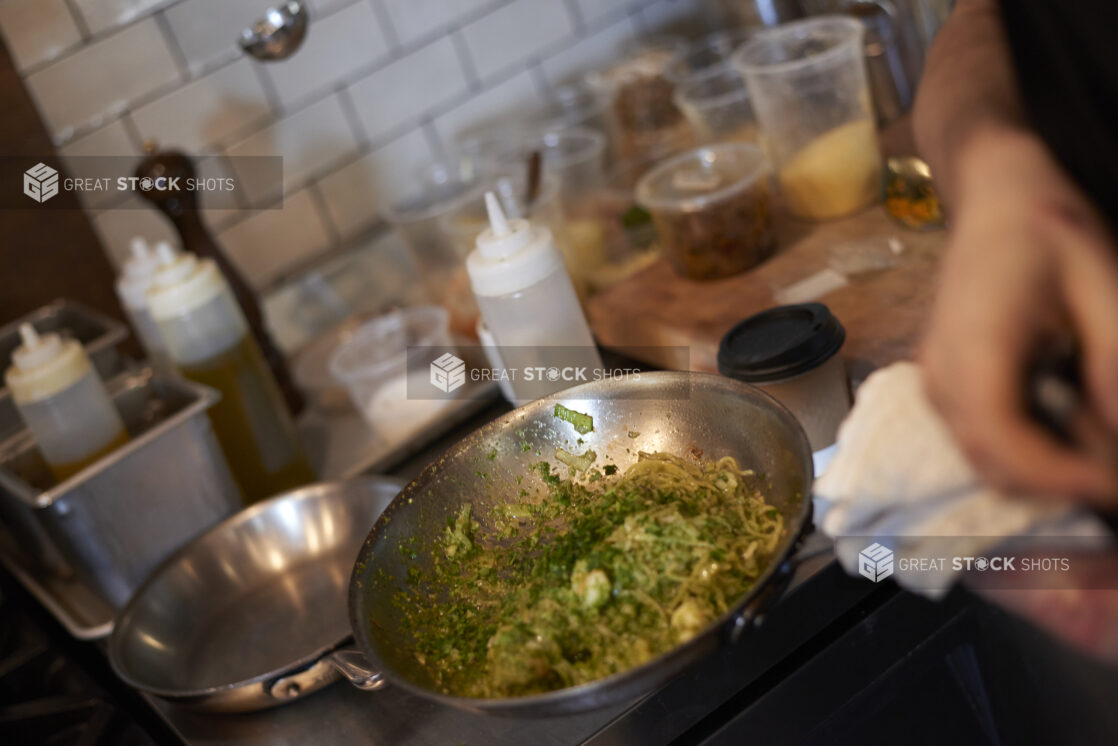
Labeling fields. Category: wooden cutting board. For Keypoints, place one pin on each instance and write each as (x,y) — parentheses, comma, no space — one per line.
(883,310)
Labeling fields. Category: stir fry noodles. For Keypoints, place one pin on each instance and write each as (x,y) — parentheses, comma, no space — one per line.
(603,574)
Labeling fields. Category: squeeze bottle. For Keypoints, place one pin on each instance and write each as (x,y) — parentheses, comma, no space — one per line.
(63,402)
(530,306)
(209,342)
(131,287)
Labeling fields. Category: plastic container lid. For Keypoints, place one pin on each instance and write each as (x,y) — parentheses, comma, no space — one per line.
(780,343)
(511,255)
(182,283)
(695,179)
(43,366)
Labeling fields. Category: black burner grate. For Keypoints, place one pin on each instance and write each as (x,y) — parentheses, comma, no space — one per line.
(55,691)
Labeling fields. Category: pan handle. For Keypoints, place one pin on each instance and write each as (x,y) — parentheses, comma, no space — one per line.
(754,612)
(309,678)
(807,547)
(352,664)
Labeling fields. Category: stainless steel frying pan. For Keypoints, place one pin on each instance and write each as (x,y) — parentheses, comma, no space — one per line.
(252,613)
(679,413)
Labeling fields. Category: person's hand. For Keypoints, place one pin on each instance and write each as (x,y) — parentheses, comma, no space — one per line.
(1029,260)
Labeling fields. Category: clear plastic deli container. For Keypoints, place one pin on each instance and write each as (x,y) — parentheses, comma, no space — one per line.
(706,55)
(643,119)
(717,104)
(712,209)
(385,381)
(807,83)
(418,220)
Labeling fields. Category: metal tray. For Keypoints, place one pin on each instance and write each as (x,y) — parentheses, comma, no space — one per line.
(84,545)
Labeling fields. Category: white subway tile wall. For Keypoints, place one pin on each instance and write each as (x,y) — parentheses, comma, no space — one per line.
(207,30)
(595,10)
(417,19)
(208,111)
(309,141)
(102,80)
(399,94)
(270,241)
(100,15)
(37,30)
(112,139)
(336,47)
(379,177)
(379,87)
(515,32)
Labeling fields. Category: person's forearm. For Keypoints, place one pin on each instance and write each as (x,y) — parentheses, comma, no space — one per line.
(968,90)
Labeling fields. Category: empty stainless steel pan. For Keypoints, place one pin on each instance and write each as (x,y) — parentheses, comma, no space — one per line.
(252,613)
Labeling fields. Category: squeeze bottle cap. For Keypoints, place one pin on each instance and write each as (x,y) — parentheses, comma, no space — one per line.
(511,255)
(44,365)
(182,283)
(143,262)
(139,270)
(503,237)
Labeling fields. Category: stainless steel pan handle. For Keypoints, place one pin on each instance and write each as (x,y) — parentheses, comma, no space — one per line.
(753,614)
(352,664)
(293,684)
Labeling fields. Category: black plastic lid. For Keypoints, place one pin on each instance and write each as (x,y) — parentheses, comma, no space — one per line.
(780,343)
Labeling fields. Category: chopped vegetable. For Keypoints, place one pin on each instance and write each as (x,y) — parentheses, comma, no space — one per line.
(583,423)
(577,461)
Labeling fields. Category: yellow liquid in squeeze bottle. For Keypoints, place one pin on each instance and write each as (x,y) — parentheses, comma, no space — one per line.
(209,341)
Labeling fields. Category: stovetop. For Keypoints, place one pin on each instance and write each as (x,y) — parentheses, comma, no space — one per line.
(55,691)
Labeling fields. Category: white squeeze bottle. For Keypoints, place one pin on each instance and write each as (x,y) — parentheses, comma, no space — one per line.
(530,306)
(132,287)
(63,402)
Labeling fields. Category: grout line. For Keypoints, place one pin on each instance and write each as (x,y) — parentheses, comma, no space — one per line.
(79,20)
(465,59)
(318,201)
(349,110)
(132,131)
(543,85)
(384,20)
(172,43)
(217,62)
(437,32)
(255,126)
(226,164)
(576,15)
(434,140)
(270,92)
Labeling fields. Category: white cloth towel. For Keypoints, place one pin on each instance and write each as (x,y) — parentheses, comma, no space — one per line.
(899,476)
